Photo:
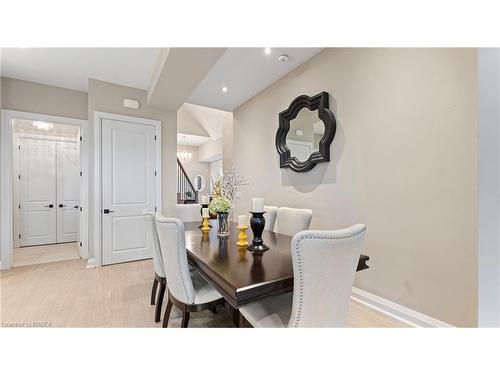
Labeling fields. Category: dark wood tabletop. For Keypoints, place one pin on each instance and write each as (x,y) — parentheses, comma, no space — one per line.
(236,273)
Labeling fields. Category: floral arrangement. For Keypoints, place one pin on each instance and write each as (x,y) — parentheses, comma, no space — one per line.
(228,185)
(219,204)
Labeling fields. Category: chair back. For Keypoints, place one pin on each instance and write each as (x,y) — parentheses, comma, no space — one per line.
(153,234)
(270,217)
(292,220)
(324,266)
(173,250)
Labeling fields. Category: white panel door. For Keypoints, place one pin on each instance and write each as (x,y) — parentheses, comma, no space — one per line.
(128,188)
(37,191)
(68,191)
(82,190)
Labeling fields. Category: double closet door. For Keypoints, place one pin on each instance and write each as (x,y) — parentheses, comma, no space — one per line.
(49,191)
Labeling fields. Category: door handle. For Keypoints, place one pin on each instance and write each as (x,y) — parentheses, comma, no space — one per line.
(107,211)
(75,206)
(62,205)
(49,206)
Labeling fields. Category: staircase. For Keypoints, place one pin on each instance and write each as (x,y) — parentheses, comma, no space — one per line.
(186,194)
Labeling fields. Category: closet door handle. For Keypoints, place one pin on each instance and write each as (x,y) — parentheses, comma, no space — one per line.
(49,206)
(75,206)
(107,211)
(62,205)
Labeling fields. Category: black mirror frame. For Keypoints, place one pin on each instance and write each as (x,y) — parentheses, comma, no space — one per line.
(317,102)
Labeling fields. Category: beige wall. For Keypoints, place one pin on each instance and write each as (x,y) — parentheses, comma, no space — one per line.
(403,162)
(108,97)
(34,97)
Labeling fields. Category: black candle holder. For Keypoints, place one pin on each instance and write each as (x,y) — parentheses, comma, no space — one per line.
(201,213)
(257,223)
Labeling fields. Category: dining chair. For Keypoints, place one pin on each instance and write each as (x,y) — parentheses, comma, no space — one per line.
(292,220)
(270,217)
(158,267)
(324,265)
(188,291)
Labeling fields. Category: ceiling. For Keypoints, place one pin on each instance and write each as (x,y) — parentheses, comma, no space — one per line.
(212,120)
(72,67)
(190,139)
(245,72)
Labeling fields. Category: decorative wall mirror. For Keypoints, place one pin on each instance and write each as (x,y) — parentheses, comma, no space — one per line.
(306,131)
(199,183)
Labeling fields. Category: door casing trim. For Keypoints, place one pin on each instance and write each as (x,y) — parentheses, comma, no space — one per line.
(97,198)
(16,169)
(7,183)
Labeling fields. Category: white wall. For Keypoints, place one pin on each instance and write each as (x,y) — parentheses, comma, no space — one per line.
(194,167)
(489,188)
(227,148)
(404,162)
(211,150)
(216,171)
(187,124)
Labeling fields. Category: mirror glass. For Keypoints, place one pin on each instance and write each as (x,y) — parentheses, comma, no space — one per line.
(306,130)
(199,182)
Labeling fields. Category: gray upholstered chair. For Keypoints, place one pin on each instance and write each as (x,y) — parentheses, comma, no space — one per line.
(158,266)
(292,220)
(324,265)
(270,217)
(190,292)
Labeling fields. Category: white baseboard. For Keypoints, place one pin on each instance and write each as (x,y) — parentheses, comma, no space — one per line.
(91,263)
(399,312)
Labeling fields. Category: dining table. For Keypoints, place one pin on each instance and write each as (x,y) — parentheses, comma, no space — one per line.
(239,275)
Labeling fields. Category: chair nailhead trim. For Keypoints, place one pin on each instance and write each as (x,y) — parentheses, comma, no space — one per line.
(298,315)
(179,261)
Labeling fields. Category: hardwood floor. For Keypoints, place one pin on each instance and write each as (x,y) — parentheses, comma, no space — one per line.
(67,294)
(23,256)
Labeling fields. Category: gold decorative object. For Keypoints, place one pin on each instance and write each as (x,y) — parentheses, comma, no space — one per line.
(206,227)
(242,236)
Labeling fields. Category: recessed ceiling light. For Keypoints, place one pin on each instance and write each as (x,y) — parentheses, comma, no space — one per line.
(224,89)
(267,51)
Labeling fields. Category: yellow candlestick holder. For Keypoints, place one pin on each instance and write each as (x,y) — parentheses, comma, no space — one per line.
(206,227)
(242,236)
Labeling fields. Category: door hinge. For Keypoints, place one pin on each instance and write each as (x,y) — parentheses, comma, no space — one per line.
(155,173)
(19,235)
(80,243)
(19,176)
(19,147)
(156,208)
(81,208)
(81,138)
(19,206)
(81,173)
(155,137)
